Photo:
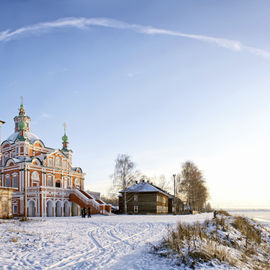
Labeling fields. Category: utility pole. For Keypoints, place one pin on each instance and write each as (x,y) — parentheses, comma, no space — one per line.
(174,191)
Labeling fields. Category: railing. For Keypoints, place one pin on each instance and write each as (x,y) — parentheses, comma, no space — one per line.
(86,199)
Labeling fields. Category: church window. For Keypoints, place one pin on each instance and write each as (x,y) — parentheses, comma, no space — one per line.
(15,180)
(65,183)
(15,209)
(58,184)
(51,162)
(77,183)
(35,176)
(7,181)
(49,181)
(57,162)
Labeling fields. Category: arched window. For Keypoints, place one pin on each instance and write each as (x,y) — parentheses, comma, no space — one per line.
(15,180)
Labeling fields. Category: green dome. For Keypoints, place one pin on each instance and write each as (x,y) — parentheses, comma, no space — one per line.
(22,125)
(65,138)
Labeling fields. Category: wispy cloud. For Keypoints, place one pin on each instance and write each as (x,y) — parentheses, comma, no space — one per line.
(132,74)
(84,23)
(46,115)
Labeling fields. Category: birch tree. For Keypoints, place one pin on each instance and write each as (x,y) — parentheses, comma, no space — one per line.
(192,186)
(124,175)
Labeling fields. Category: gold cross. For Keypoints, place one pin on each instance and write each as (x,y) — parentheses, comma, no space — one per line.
(65,127)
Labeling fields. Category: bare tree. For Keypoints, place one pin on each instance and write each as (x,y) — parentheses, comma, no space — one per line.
(192,186)
(162,183)
(124,175)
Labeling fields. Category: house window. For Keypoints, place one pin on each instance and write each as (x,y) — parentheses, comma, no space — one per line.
(15,209)
(15,181)
(135,198)
(136,209)
(7,181)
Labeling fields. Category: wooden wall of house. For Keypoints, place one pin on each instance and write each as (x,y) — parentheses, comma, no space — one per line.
(147,203)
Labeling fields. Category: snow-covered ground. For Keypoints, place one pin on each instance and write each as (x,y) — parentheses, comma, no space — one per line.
(100,242)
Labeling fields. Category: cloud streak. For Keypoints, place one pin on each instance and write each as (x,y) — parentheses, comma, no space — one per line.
(85,23)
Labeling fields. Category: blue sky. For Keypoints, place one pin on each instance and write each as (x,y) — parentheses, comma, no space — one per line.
(162,81)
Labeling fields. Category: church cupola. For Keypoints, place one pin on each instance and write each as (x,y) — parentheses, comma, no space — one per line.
(22,121)
(65,148)
(65,138)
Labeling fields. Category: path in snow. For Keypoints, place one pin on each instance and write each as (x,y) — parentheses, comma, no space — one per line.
(102,242)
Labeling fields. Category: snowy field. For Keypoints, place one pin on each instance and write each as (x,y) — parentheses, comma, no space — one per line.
(100,242)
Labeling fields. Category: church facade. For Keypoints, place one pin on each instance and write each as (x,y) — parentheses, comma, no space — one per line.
(43,179)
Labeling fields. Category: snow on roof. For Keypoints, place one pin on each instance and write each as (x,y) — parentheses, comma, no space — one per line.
(30,136)
(145,187)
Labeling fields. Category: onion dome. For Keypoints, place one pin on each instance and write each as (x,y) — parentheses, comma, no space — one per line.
(22,125)
(65,138)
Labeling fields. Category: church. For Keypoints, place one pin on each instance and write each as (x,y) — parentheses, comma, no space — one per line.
(43,180)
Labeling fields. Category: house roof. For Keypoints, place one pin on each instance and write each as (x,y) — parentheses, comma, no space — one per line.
(145,187)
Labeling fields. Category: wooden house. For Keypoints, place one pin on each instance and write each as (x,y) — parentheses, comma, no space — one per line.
(146,198)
